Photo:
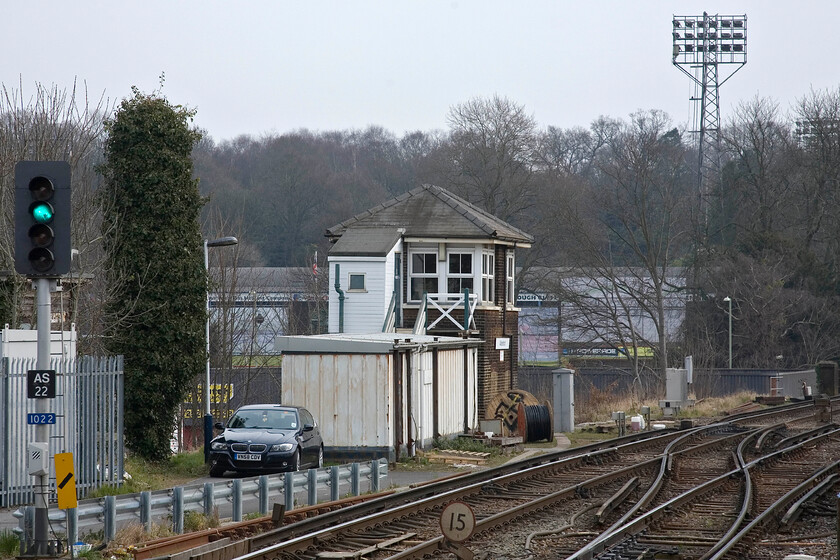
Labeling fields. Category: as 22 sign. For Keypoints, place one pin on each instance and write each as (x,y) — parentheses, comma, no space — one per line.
(40,383)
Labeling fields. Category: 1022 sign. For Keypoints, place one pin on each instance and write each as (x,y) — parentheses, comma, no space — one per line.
(41,418)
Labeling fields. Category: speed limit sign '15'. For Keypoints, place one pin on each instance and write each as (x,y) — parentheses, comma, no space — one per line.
(457,521)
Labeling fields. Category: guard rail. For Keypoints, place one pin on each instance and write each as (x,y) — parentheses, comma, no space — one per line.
(245,495)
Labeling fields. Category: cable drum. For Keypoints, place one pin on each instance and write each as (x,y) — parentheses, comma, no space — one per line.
(507,407)
(537,423)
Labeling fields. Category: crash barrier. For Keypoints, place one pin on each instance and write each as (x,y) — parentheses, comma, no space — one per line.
(245,495)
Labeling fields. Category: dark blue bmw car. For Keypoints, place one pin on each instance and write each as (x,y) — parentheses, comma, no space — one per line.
(267,438)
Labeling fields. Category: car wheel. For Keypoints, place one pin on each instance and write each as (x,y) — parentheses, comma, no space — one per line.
(296,461)
(320,457)
(217,469)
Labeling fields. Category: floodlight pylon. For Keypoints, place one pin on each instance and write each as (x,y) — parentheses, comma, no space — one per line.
(701,44)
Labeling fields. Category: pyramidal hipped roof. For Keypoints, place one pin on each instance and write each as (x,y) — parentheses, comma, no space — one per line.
(428,211)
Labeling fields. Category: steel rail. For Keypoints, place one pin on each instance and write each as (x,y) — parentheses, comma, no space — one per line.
(616,534)
(439,499)
(656,487)
(503,518)
(773,509)
(608,535)
(781,409)
(803,436)
(533,465)
(792,514)
(767,433)
(676,439)
(746,502)
(178,543)
(669,455)
(495,521)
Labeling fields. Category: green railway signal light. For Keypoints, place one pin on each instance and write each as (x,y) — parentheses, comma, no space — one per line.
(42,218)
(42,212)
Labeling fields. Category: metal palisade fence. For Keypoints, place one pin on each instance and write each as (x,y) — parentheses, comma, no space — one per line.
(89,423)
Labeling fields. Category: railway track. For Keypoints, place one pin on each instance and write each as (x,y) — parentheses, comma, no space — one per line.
(707,520)
(586,502)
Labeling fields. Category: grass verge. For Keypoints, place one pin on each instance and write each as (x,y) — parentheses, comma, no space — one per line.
(9,544)
(145,475)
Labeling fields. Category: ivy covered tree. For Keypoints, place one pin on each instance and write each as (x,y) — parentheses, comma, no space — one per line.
(153,243)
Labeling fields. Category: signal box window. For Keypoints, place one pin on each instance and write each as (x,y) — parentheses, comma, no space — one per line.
(509,272)
(357,283)
(488,274)
(423,275)
(460,273)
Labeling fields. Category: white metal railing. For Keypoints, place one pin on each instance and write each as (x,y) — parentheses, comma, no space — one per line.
(420,322)
(108,513)
(448,304)
(390,315)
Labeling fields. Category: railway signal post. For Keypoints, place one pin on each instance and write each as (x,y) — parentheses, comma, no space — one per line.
(42,254)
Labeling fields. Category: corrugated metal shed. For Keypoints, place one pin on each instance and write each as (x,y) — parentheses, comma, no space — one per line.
(382,394)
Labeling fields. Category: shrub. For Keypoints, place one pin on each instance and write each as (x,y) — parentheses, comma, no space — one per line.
(9,544)
(197,521)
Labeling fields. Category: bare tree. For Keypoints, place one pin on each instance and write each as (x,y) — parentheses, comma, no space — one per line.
(622,230)
(818,193)
(757,197)
(777,254)
(573,152)
(491,146)
(56,124)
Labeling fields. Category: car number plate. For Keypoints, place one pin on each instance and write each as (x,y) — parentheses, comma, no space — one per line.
(248,457)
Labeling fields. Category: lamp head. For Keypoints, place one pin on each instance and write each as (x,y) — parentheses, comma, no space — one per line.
(222,241)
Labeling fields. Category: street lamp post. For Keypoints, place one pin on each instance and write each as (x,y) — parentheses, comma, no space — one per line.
(208,418)
(729,301)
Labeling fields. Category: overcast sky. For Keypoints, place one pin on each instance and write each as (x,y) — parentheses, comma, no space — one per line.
(256,67)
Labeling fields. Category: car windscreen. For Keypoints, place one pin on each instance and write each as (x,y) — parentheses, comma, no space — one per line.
(268,419)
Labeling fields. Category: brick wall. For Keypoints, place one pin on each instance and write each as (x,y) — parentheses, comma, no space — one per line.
(495,375)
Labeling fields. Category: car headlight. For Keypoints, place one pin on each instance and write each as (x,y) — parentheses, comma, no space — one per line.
(218,446)
(282,447)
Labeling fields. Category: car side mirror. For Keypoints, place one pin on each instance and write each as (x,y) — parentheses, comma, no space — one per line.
(308,427)
(219,426)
